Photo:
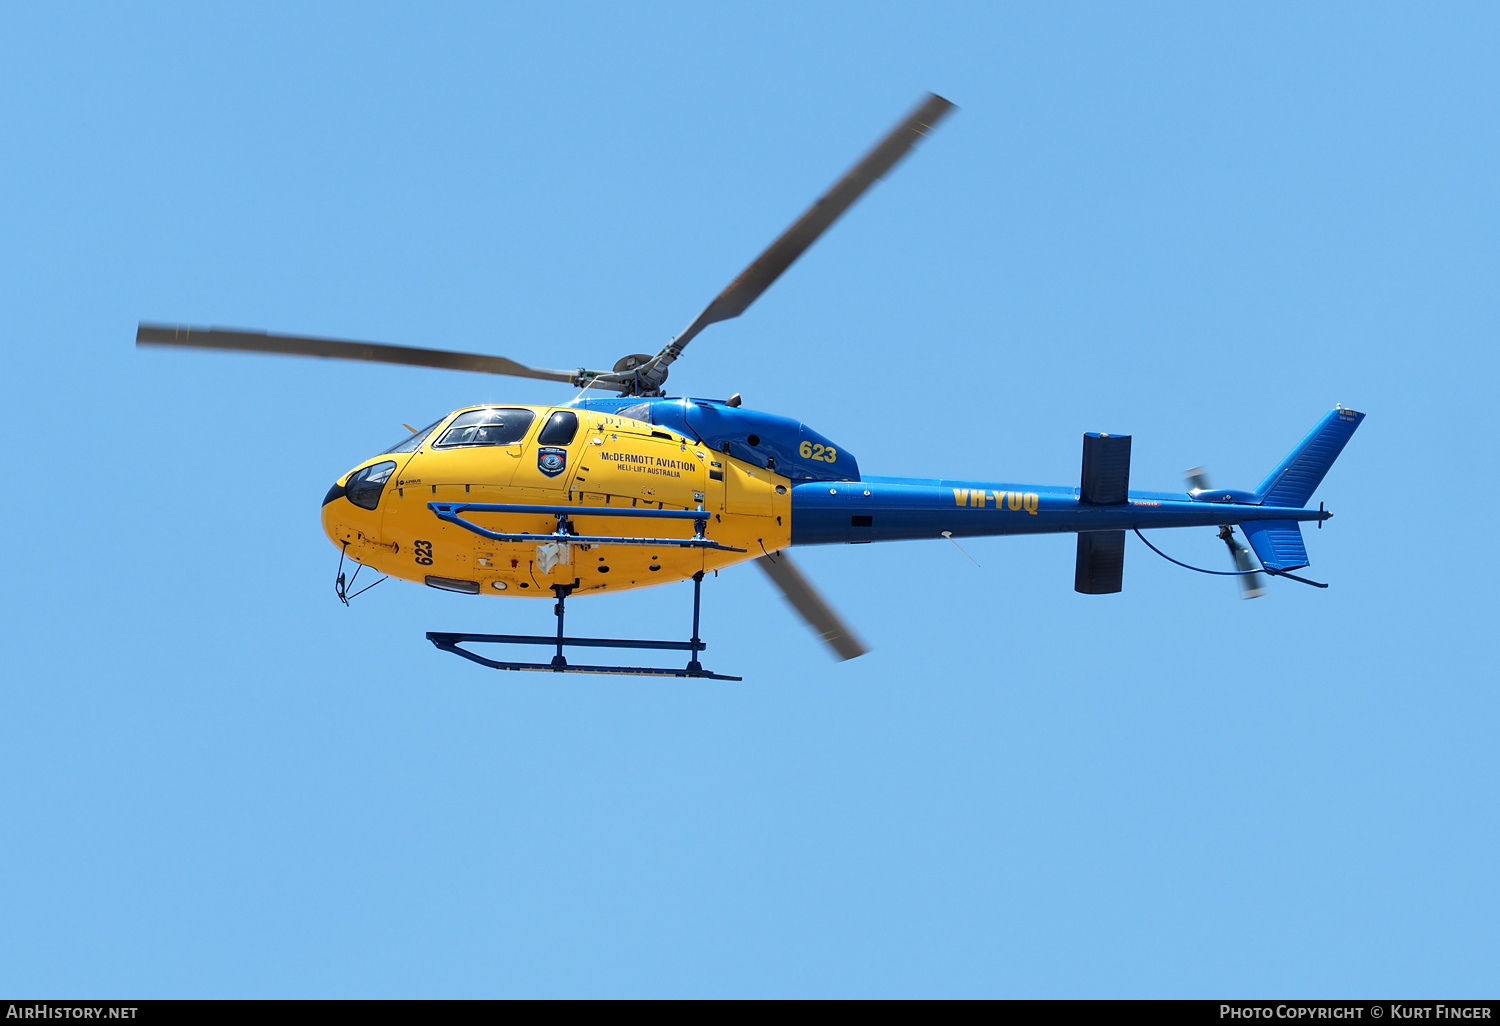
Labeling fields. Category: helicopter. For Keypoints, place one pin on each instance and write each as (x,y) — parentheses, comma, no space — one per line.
(639,489)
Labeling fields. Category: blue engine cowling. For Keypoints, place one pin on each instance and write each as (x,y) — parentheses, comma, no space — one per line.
(789,447)
(1224,495)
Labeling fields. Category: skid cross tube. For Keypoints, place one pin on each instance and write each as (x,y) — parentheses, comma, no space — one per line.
(559,664)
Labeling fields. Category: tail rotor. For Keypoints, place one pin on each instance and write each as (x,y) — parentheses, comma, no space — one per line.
(1252,585)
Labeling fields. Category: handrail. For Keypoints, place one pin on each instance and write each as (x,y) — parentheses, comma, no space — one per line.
(571,511)
(451,512)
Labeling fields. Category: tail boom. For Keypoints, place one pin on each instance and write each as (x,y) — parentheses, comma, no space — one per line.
(892,509)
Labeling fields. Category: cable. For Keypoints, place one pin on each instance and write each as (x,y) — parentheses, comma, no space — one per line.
(1226,573)
(1217,573)
(960,548)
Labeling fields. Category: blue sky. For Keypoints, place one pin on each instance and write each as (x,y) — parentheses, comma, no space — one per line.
(1201,225)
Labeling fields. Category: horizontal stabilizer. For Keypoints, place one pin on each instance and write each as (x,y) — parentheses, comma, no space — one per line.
(1106,470)
(1298,476)
(1277,543)
(1100,569)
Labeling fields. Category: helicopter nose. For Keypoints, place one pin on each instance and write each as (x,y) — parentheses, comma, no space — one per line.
(350,509)
(338,516)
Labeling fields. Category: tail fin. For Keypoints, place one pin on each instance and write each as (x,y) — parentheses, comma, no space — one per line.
(1294,481)
(1278,543)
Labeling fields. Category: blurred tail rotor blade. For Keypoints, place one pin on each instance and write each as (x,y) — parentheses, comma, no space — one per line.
(1251,585)
(810,605)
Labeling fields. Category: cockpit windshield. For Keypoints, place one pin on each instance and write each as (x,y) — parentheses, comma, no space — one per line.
(486,427)
(413,440)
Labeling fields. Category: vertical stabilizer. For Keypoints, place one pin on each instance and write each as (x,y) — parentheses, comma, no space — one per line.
(1294,481)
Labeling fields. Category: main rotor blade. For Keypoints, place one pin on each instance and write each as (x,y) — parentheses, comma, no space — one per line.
(780,255)
(810,605)
(298,345)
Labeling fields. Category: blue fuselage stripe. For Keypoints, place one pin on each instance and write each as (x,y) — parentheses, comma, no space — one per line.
(825,513)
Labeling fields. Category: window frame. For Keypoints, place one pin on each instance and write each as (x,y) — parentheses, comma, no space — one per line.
(547,423)
(360,476)
(414,441)
(439,445)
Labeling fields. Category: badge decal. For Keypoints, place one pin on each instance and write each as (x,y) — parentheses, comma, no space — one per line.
(551,461)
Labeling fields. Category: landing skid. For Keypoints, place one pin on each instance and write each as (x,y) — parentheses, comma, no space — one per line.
(560,664)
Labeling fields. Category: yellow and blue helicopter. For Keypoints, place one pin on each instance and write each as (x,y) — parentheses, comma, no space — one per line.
(640,489)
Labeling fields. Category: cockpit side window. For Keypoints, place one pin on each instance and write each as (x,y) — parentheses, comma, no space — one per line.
(486,427)
(559,429)
(640,411)
(414,440)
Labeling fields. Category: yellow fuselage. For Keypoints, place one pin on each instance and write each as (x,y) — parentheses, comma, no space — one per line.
(611,461)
